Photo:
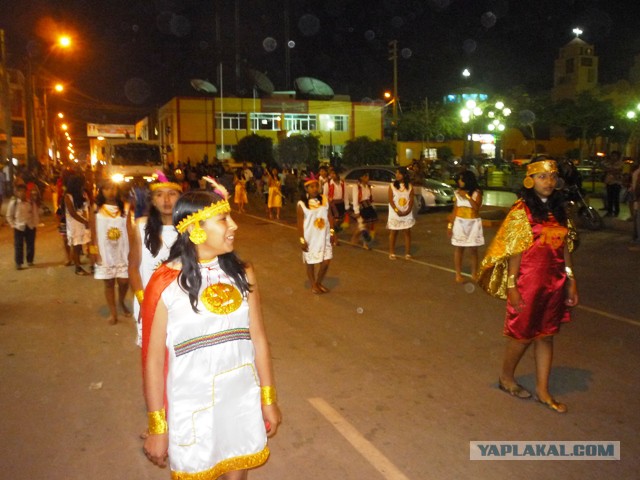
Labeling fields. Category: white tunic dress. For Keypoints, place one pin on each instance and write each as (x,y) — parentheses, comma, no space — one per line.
(401,198)
(214,412)
(77,233)
(113,243)
(316,231)
(149,263)
(466,232)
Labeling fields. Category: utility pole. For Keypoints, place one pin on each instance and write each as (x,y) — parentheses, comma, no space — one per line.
(5,113)
(393,56)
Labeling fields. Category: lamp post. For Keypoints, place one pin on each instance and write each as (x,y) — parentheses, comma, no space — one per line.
(331,125)
(468,115)
(497,125)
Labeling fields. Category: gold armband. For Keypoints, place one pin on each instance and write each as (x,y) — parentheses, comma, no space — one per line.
(511,281)
(93,250)
(268,395)
(302,241)
(569,272)
(140,296)
(157,422)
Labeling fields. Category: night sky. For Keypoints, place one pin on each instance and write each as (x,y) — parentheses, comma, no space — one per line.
(131,55)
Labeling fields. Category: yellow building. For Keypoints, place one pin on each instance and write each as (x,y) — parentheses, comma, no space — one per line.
(190,127)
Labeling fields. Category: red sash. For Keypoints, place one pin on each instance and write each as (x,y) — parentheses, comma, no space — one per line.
(160,280)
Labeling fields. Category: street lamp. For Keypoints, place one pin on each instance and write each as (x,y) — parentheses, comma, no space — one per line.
(497,124)
(331,125)
(467,115)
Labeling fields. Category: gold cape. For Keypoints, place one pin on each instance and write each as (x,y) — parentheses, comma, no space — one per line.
(514,237)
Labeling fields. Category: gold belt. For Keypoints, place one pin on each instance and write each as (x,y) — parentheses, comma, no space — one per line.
(465,212)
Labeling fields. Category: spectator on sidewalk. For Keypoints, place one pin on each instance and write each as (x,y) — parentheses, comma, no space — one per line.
(22,215)
(613,182)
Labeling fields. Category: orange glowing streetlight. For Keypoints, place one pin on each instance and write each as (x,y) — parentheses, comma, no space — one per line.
(64,127)
(64,41)
(60,115)
(58,87)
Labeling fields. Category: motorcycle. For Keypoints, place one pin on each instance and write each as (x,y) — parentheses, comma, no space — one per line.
(582,211)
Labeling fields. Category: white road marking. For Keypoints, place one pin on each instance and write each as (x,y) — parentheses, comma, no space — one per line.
(595,311)
(361,444)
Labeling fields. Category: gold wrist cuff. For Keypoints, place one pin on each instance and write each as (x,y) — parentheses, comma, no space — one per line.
(332,231)
(302,241)
(569,272)
(511,281)
(268,395)
(449,225)
(140,296)
(157,422)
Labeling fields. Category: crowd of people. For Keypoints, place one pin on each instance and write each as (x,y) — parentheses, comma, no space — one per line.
(197,305)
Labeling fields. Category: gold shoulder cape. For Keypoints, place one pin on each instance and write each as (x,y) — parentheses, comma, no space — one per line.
(514,237)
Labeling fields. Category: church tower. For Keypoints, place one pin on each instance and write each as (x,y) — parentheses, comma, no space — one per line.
(575,70)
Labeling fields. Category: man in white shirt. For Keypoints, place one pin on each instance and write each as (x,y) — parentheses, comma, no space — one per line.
(22,215)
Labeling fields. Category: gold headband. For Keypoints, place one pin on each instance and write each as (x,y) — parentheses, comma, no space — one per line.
(309,182)
(545,166)
(172,185)
(214,209)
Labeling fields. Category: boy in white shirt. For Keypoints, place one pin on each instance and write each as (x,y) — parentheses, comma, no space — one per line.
(22,215)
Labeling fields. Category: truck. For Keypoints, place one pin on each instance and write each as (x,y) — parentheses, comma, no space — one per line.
(124,160)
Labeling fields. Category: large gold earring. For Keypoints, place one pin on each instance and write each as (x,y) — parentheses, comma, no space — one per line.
(198,236)
(528,182)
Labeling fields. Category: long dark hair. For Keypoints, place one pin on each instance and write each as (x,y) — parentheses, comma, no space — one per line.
(75,188)
(153,230)
(101,200)
(540,210)
(470,181)
(405,178)
(190,279)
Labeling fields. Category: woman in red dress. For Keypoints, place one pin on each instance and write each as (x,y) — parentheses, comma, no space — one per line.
(529,264)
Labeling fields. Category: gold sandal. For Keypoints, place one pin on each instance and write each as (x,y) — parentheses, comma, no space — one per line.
(518,391)
(551,404)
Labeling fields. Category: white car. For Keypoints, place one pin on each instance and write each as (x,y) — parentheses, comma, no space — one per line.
(431,193)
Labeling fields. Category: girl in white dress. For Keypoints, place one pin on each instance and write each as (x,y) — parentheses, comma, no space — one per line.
(466,229)
(400,212)
(207,371)
(111,247)
(317,236)
(76,204)
(150,240)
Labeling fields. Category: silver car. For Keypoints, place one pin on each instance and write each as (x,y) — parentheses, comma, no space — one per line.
(431,193)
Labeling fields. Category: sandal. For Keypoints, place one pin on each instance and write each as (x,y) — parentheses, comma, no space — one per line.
(392,256)
(408,256)
(517,391)
(551,404)
(323,289)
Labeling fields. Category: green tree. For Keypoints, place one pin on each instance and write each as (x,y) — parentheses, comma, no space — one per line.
(584,118)
(299,150)
(255,149)
(364,151)
(428,122)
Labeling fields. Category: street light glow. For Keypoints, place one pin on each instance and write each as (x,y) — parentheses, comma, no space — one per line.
(578,32)
(60,115)
(64,41)
(466,73)
(499,105)
(506,112)
(58,87)
(64,127)
(471,104)
(631,114)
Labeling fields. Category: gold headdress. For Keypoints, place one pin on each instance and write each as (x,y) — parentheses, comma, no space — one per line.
(163,182)
(545,166)
(198,235)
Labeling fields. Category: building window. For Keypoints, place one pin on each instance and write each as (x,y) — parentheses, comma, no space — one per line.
(300,122)
(340,123)
(231,121)
(265,121)
(569,66)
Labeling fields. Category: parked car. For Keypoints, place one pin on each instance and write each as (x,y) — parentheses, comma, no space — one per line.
(431,193)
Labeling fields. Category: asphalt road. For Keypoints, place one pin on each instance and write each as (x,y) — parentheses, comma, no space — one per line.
(389,376)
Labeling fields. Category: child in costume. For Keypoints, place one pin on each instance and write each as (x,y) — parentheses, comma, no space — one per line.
(529,263)
(208,379)
(240,197)
(317,236)
(363,211)
(466,229)
(274,200)
(336,193)
(76,205)
(111,247)
(400,217)
(151,238)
